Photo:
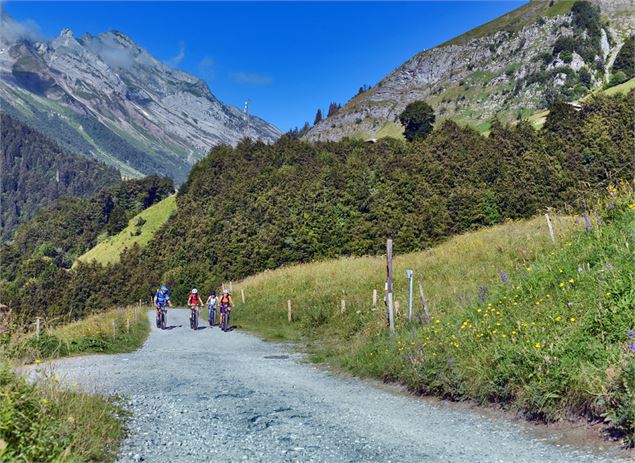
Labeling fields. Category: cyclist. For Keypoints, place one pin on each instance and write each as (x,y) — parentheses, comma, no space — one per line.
(194,301)
(226,305)
(212,307)
(161,298)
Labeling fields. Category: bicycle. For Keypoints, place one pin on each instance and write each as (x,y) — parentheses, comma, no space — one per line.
(194,309)
(211,315)
(224,316)
(161,317)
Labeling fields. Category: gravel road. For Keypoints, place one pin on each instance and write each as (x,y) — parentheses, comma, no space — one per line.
(214,396)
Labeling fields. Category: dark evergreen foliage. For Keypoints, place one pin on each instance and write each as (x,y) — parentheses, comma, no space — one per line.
(256,207)
(625,59)
(31,165)
(418,119)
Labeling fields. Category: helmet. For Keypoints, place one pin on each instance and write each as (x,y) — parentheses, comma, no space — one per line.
(164,288)
(225,291)
(194,291)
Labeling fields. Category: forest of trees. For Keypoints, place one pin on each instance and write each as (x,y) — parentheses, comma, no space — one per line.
(38,259)
(294,201)
(30,167)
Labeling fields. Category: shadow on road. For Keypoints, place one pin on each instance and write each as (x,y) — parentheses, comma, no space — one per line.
(201,328)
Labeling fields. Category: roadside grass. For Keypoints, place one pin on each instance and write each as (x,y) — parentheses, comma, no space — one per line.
(552,341)
(152,218)
(90,335)
(44,421)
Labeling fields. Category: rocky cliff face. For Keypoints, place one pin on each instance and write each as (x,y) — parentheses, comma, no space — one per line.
(106,97)
(505,69)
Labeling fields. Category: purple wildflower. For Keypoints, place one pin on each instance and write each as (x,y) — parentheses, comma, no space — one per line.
(482,293)
(608,266)
(632,347)
(580,269)
(631,334)
(612,204)
(504,277)
(587,221)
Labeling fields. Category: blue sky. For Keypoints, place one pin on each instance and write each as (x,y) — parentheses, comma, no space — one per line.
(288,58)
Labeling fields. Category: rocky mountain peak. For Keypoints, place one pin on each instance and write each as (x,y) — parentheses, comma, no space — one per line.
(105,96)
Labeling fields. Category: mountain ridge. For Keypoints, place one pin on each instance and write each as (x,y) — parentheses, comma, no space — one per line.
(506,69)
(105,96)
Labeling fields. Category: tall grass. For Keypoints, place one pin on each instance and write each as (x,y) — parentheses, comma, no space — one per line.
(42,420)
(94,334)
(515,319)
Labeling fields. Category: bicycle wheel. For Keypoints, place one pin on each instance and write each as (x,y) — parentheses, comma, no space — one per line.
(195,321)
(163,322)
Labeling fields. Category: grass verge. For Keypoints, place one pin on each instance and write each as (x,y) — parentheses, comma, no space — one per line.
(91,335)
(42,420)
(546,329)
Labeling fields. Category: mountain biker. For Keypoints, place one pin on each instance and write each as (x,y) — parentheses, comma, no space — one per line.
(161,298)
(226,304)
(194,301)
(212,305)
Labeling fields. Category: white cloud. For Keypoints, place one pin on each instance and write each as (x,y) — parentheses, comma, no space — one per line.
(206,67)
(176,60)
(11,30)
(251,78)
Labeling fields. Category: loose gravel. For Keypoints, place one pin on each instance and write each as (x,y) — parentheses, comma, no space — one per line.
(211,396)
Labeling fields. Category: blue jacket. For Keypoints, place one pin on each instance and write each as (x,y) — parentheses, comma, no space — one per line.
(161,298)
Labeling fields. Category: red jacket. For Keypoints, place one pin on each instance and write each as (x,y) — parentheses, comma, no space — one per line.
(194,299)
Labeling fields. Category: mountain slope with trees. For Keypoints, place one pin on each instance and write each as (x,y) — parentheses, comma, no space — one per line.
(35,171)
(506,69)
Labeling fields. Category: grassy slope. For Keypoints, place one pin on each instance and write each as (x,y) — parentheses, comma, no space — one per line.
(551,343)
(44,420)
(108,251)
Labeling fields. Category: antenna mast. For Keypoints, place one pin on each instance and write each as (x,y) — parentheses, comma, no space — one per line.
(246,118)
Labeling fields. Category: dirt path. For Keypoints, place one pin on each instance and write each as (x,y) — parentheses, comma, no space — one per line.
(214,396)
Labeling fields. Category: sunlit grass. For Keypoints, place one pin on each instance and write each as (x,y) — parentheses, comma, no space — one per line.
(109,250)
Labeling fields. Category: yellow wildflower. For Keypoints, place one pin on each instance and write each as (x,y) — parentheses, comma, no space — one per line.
(571,280)
(631,206)
(558,318)
(572,319)
(562,285)
(38,361)
(45,401)
(537,345)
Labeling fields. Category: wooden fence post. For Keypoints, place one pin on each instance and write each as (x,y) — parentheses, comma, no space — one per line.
(342,306)
(374,298)
(114,329)
(424,302)
(397,308)
(391,315)
(550,225)
(223,284)
(127,326)
(289,310)
(37,327)
(231,287)
(242,294)
(136,314)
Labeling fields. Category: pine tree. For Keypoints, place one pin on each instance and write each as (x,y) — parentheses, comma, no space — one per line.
(318,117)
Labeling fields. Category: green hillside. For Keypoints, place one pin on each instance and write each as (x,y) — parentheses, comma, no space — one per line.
(109,250)
(515,319)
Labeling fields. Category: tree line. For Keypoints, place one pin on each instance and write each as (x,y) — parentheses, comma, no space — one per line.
(257,207)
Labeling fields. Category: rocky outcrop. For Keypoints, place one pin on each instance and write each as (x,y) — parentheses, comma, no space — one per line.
(105,96)
(507,71)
